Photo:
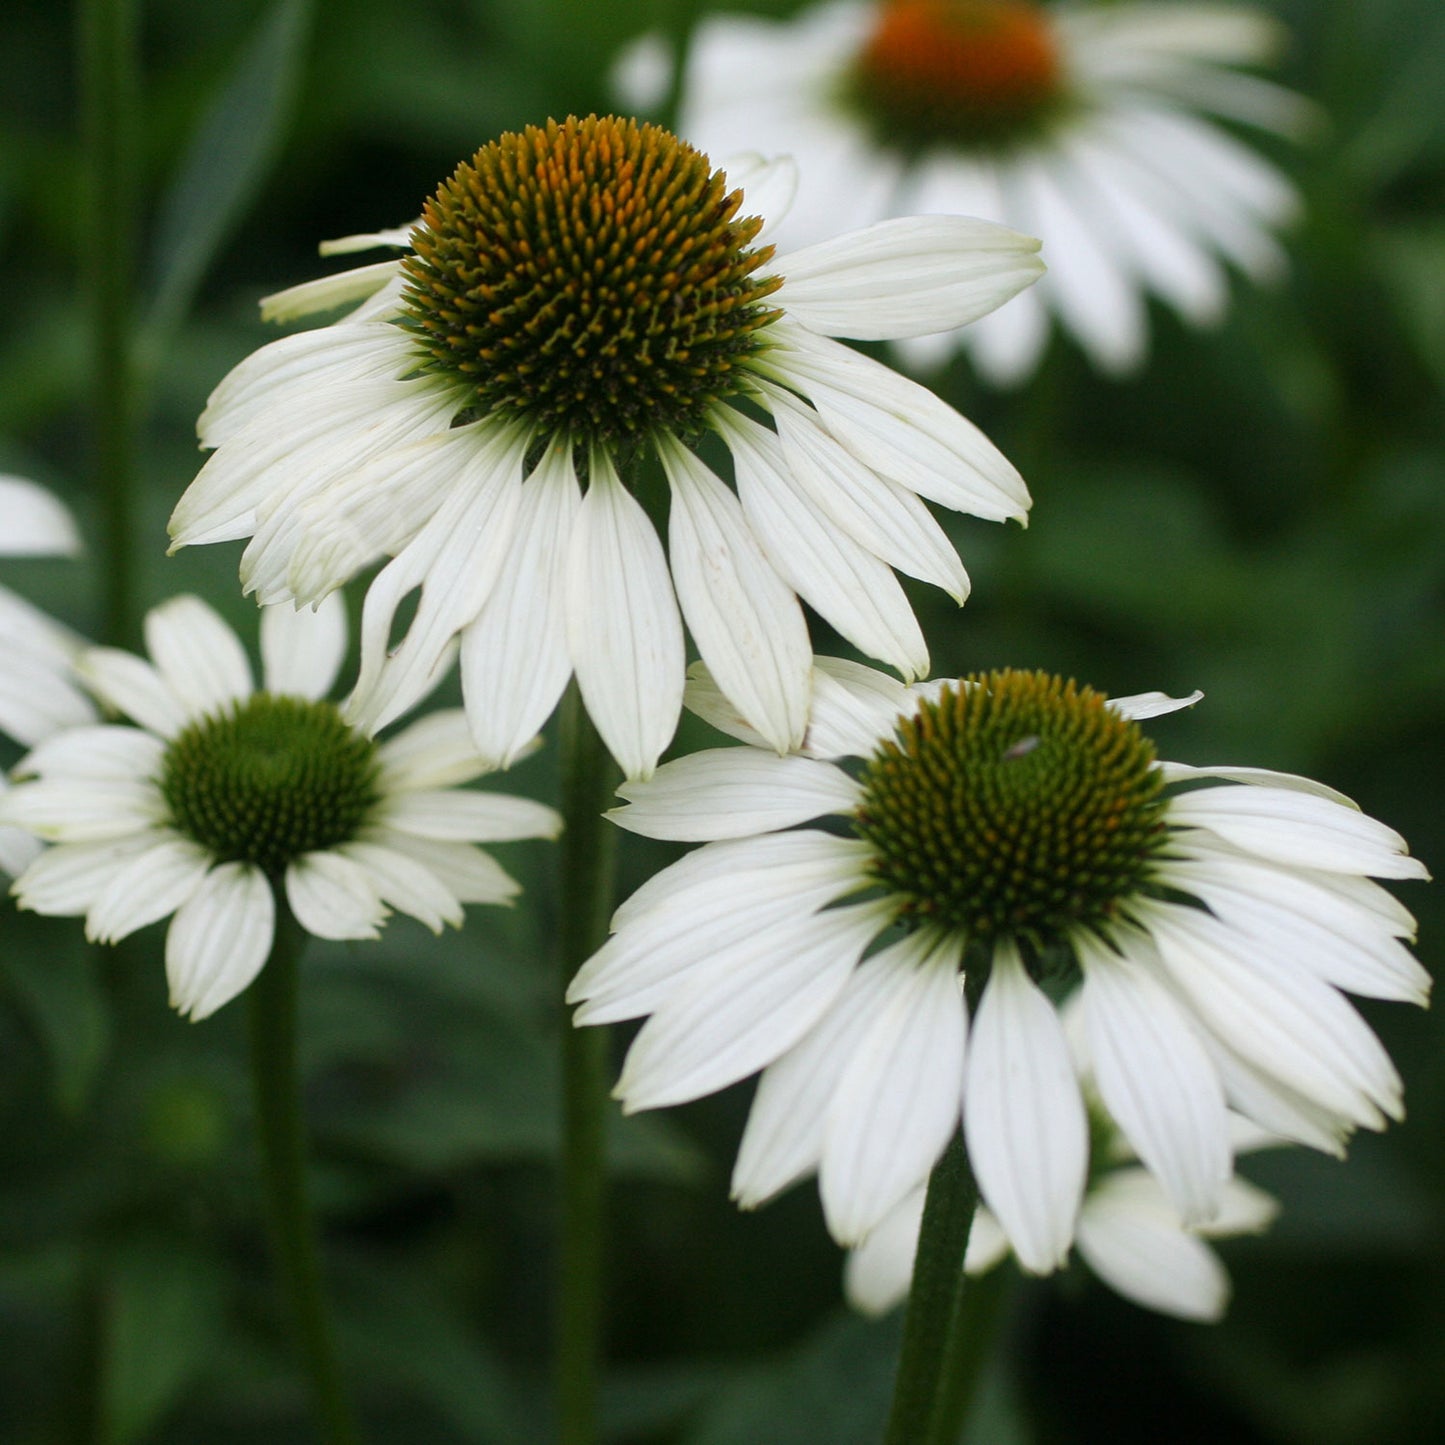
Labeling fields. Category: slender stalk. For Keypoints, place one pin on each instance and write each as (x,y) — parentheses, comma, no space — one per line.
(271,1017)
(108,71)
(935,1302)
(587,863)
(976,1315)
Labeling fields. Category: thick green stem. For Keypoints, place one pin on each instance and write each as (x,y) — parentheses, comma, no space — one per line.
(976,1312)
(587,863)
(108,70)
(271,1017)
(936,1301)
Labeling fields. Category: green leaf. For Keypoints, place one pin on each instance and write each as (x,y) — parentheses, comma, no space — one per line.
(228,159)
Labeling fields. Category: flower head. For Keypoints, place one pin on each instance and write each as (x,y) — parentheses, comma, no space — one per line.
(1092,126)
(1128,1233)
(1000,843)
(224,796)
(579,306)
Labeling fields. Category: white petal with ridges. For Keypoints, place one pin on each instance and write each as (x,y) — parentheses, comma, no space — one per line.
(786,1126)
(1024,1117)
(514,656)
(732,793)
(333,897)
(843,581)
(1155,1078)
(83,810)
(1141,705)
(897,1101)
(900,429)
(744,1007)
(906,277)
(105,753)
(458,816)
(404,883)
(744,618)
(623,628)
(463,869)
(130,685)
(436,751)
(880,1268)
(149,886)
(67,879)
(219,939)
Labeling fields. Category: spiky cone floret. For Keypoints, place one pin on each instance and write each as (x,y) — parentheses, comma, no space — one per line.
(222,800)
(578,301)
(1211,962)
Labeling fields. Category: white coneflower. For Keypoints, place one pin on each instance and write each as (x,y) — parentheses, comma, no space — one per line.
(576,299)
(224,798)
(1093,127)
(1005,838)
(38,691)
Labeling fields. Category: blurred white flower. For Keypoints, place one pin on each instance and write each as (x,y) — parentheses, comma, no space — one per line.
(575,298)
(1128,1233)
(1092,126)
(1001,833)
(38,691)
(222,795)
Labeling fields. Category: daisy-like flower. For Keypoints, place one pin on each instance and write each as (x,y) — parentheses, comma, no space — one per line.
(1093,127)
(1128,1233)
(579,305)
(1001,840)
(38,691)
(223,797)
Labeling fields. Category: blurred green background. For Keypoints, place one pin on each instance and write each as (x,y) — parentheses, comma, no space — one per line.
(1260,513)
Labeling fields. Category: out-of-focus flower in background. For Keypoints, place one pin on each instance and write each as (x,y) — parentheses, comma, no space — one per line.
(1093,126)
(224,795)
(1129,1233)
(575,298)
(38,690)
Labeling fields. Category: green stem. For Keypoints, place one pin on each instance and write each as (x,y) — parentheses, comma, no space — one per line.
(587,863)
(935,1303)
(271,1017)
(108,70)
(976,1313)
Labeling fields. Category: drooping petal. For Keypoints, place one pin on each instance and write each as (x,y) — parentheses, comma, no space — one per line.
(406,884)
(148,886)
(105,753)
(67,879)
(623,627)
(436,751)
(897,1101)
(457,815)
(1155,1077)
(514,656)
(219,939)
(744,618)
(1024,1117)
(463,869)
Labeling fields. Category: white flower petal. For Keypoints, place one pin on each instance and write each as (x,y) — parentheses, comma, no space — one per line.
(334,897)
(907,276)
(623,627)
(405,884)
(83,810)
(132,686)
(302,649)
(468,817)
(514,655)
(1024,1117)
(67,879)
(746,622)
(36,523)
(783,1140)
(1289,826)
(732,793)
(897,1102)
(455,560)
(198,657)
(1140,1250)
(149,886)
(464,870)
(1155,1078)
(855,707)
(744,1007)
(112,754)
(880,1268)
(327,293)
(844,582)
(436,751)
(219,939)
(1143,705)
